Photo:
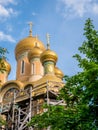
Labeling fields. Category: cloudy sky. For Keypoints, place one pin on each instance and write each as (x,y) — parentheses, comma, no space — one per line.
(63,19)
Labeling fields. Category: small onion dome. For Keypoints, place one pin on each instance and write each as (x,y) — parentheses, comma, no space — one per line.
(35,52)
(28,44)
(58,72)
(6,66)
(48,55)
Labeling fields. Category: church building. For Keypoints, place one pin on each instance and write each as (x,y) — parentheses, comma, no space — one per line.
(38,81)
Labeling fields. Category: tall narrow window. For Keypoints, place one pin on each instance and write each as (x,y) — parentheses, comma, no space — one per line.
(32,69)
(22,66)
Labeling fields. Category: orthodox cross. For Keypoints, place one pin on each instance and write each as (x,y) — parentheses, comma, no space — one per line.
(48,41)
(30,24)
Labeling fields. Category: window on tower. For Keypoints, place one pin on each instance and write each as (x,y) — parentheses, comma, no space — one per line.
(33,68)
(22,66)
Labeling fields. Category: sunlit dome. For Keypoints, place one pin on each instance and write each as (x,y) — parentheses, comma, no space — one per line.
(35,52)
(58,73)
(48,55)
(4,64)
(28,43)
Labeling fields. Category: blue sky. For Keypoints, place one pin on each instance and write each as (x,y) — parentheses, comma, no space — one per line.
(62,19)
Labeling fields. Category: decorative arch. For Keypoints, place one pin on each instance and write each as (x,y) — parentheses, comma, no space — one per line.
(9,89)
(10,94)
(15,82)
(28,86)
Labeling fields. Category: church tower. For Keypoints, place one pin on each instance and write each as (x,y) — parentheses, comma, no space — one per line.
(27,54)
(38,81)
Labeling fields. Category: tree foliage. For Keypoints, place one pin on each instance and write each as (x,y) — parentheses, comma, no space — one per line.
(2,69)
(80,92)
(3,52)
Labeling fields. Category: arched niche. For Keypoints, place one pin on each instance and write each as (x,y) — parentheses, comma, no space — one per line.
(10,94)
(8,91)
(28,86)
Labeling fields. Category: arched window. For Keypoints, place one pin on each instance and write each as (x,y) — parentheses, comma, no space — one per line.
(22,66)
(33,68)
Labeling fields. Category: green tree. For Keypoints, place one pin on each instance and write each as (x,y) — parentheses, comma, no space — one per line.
(2,69)
(3,52)
(80,92)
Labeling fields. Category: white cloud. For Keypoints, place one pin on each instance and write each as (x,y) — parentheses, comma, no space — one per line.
(5,10)
(5,37)
(6,2)
(95,8)
(77,7)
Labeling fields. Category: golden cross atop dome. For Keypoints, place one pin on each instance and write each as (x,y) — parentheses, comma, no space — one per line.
(30,24)
(48,40)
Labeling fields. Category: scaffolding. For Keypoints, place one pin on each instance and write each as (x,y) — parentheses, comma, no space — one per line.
(28,103)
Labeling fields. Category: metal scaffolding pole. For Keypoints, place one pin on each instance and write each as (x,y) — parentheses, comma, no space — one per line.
(30,109)
(21,115)
(47,93)
(13,111)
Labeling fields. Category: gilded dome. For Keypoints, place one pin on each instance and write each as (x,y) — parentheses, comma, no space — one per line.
(35,52)
(48,55)
(4,64)
(58,72)
(28,43)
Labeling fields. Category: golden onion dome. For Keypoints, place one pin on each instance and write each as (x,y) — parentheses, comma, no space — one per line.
(28,43)
(58,72)
(4,64)
(48,55)
(35,52)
